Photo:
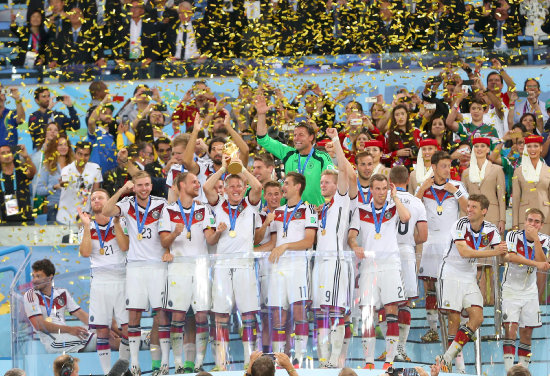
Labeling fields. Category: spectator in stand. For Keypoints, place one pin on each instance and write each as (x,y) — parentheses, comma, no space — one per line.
(16,172)
(159,167)
(58,154)
(500,23)
(33,39)
(77,44)
(57,20)
(103,142)
(44,7)
(45,114)
(183,37)
(532,104)
(402,138)
(137,104)
(529,121)
(115,179)
(392,28)
(496,79)
(98,91)
(10,119)
(148,125)
(38,157)
(145,155)
(436,129)
(423,168)
(547,124)
(78,179)
(138,37)
(197,99)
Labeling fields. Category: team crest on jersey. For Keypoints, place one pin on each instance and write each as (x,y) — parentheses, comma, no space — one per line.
(92,318)
(298,214)
(199,216)
(113,231)
(387,215)
(61,301)
(156,214)
(485,240)
(240,207)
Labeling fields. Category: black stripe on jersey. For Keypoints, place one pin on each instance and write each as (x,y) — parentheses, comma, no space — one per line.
(165,295)
(461,222)
(444,257)
(336,283)
(338,227)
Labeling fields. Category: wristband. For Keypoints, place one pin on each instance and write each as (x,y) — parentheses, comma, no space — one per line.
(222,169)
(336,139)
(457,194)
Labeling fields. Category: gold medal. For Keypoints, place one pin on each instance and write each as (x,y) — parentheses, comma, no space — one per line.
(232,233)
(101,251)
(48,319)
(139,236)
(189,235)
(323,232)
(377,236)
(439,209)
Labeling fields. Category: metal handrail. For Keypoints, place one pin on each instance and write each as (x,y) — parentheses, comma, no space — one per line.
(18,248)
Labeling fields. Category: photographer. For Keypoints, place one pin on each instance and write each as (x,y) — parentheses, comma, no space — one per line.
(197,99)
(136,105)
(264,365)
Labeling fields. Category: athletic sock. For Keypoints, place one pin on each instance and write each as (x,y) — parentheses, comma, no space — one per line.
(104,354)
(337,334)
(392,337)
(345,345)
(164,339)
(431,310)
(369,342)
(404,318)
(221,343)
(176,339)
(279,338)
(134,341)
(301,335)
(509,349)
(382,321)
(323,338)
(201,339)
(249,338)
(463,336)
(124,348)
(524,354)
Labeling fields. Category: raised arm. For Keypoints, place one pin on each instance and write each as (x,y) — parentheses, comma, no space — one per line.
(85,248)
(344,167)
(244,150)
(20,110)
(261,110)
(189,153)
(122,239)
(209,187)
(255,194)
(111,209)
(402,211)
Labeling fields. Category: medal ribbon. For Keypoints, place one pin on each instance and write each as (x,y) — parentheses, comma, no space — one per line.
(530,255)
(360,188)
(285,222)
(436,197)
(13,179)
(187,221)
(378,220)
(401,189)
(300,169)
(99,236)
(47,305)
(477,241)
(233,217)
(326,206)
(141,223)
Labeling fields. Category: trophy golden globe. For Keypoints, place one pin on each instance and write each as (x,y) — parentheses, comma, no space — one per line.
(232,150)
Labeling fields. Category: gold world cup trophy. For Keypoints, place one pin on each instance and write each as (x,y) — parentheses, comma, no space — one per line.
(232,150)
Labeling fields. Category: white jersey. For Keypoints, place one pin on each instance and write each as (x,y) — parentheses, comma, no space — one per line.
(175,170)
(206,169)
(417,209)
(112,258)
(333,224)
(520,281)
(267,235)
(148,248)
(465,269)
(439,224)
(384,250)
(77,191)
(247,221)
(35,305)
(183,245)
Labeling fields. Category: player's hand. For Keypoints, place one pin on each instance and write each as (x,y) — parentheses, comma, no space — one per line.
(113,335)
(179,229)
(449,187)
(359,252)
(284,361)
(167,257)
(221,228)
(276,253)
(197,124)
(128,187)
(421,371)
(332,133)
(225,160)
(531,231)
(329,148)
(79,331)
(435,368)
(543,266)
(502,249)
(84,217)
(269,218)
(427,183)
(393,191)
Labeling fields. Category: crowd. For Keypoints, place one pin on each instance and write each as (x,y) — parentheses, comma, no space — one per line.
(431,172)
(65,32)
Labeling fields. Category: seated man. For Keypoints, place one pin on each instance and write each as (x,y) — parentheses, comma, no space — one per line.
(45,307)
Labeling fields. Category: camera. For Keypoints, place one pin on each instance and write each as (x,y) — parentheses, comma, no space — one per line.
(60,98)
(402,372)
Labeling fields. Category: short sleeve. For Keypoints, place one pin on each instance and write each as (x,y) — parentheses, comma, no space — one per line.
(421,209)
(209,219)
(71,304)
(311,217)
(458,231)
(165,224)
(257,220)
(80,234)
(463,191)
(124,205)
(124,225)
(511,241)
(496,237)
(32,307)
(355,221)
(98,178)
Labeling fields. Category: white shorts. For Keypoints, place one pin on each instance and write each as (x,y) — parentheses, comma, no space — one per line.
(145,286)
(289,284)
(432,257)
(264,267)
(379,288)
(331,283)
(189,286)
(456,295)
(107,296)
(232,286)
(408,270)
(525,312)
(60,343)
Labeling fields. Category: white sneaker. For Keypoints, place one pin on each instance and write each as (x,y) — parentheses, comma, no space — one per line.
(136,371)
